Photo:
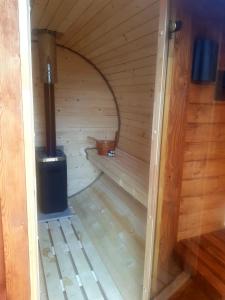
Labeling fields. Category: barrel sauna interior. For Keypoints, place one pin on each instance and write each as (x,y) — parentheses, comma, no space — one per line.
(106,66)
(106,69)
(107,57)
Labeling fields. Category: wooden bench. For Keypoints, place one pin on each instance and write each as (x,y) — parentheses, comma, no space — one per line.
(127,171)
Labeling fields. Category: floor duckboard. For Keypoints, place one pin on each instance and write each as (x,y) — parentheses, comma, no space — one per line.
(70,267)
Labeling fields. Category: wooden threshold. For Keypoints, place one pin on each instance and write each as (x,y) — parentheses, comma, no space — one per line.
(173,287)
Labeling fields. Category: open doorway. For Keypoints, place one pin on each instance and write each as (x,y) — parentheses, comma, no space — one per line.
(94,65)
(106,55)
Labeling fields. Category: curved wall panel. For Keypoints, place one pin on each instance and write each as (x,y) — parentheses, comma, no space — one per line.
(120,38)
(84,107)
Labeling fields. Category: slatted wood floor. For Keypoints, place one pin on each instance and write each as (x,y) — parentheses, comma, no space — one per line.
(205,255)
(70,267)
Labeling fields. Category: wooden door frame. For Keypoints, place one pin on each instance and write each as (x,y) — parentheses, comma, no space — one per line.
(157,126)
(29,143)
(17,162)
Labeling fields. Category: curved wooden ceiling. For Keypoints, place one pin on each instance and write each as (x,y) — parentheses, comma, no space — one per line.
(120,38)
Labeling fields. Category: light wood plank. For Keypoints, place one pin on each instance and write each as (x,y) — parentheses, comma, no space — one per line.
(48,13)
(131,213)
(115,254)
(107,283)
(61,14)
(109,10)
(81,23)
(37,11)
(117,243)
(71,285)
(125,34)
(130,10)
(130,56)
(43,290)
(77,10)
(84,270)
(132,177)
(52,276)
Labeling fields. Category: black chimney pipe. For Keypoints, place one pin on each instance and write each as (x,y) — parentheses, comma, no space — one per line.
(48,68)
(51,162)
(49,99)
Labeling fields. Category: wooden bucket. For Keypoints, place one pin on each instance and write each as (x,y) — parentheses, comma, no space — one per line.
(104,146)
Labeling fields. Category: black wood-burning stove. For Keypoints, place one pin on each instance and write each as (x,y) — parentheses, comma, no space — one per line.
(50,162)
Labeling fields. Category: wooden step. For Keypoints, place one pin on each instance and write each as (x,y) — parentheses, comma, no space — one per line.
(205,256)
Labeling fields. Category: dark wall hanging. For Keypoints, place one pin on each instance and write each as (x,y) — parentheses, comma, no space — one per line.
(204,64)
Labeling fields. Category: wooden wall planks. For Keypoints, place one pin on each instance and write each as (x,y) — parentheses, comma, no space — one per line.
(171,164)
(2,265)
(120,37)
(202,195)
(84,107)
(12,161)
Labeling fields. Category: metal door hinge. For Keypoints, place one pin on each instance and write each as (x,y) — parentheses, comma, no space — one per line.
(174,26)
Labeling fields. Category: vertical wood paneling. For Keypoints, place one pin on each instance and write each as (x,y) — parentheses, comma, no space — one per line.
(172,145)
(12,165)
(2,265)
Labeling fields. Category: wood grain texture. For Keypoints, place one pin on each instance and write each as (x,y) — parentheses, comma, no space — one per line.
(2,264)
(203,167)
(127,171)
(205,256)
(172,149)
(12,164)
(192,290)
(173,141)
(120,38)
(173,287)
(84,107)
(115,223)
(195,151)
